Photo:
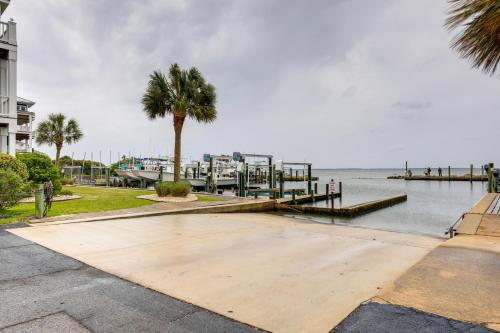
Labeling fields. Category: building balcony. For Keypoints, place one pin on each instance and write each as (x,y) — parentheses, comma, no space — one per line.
(8,32)
(25,128)
(4,106)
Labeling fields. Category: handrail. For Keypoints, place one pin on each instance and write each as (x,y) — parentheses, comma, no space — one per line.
(451,229)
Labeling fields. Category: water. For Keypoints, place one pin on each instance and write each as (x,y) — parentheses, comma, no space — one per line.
(431,207)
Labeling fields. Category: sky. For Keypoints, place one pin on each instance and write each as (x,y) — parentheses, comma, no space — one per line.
(339,83)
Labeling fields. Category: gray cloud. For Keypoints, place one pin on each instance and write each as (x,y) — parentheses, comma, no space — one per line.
(302,80)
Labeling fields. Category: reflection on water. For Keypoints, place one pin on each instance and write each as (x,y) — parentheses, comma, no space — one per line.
(431,207)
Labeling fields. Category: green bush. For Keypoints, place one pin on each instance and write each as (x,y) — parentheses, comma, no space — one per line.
(40,167)
(67,181)
(180,189)
(56,183)
(65,192)
(8,162)
(163,188)
(12,188)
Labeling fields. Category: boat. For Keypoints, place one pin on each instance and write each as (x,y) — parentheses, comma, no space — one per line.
(127,174)
(149,169)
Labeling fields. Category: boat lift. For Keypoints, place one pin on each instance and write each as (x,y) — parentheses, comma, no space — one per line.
(210,185)
(243,171)
(280,170)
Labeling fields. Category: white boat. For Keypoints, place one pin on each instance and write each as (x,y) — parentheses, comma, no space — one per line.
(153,175)
(148,169)
(127,174)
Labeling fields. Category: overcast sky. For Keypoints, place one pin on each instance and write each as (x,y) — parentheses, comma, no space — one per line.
(339,83)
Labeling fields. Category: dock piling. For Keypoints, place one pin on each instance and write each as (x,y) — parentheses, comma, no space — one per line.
(315,188)
(491,185)
(340,189)
(333,201)
(293,197)
(449,173)
(471,172)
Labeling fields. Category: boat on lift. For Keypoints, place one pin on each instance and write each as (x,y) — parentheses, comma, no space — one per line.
(149,169)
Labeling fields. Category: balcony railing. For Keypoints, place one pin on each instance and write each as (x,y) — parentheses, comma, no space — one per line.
(4,31)
(4,105)
(25,128)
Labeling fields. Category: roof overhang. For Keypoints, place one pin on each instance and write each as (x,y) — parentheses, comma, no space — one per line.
(24,101)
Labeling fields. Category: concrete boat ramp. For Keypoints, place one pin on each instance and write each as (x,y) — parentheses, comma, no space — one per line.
(283,275)
(267,271)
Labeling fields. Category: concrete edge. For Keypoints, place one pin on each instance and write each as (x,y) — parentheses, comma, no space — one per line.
(240,207)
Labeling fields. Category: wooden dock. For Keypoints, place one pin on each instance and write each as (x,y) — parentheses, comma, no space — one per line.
(298,178)
(351,211)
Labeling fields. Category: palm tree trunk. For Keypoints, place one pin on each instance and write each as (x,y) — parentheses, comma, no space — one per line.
(58,153)
(178,123)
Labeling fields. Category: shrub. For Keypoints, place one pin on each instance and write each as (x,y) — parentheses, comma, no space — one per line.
(67,181)
(180,189)
(56,183)
(40,167)
(12,188)
(8,162)
(65,192)
(163,188)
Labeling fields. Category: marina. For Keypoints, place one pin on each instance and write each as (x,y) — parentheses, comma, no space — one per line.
(249,167)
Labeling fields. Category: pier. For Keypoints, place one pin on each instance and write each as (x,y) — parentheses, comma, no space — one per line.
(354,210)
(463,178)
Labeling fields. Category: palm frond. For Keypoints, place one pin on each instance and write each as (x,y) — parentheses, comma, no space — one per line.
(479,39)
(72,132)
(157,100)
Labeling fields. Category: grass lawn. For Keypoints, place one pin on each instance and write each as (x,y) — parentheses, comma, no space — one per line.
(207,198)
(94,199)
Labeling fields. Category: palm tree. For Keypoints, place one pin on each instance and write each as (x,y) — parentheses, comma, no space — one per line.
(183,94)
(55,131)
(479,38)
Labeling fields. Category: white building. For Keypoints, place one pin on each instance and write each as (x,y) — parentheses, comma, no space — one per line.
(16,132)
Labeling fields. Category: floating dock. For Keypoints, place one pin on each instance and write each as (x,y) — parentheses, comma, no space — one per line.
(351,211)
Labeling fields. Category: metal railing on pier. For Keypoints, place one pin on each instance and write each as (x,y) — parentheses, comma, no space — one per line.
(451,229)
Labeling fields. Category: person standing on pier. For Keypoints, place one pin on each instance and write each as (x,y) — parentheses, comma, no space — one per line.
(440,172)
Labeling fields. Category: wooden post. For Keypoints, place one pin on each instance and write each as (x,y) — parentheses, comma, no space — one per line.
(327,190)
(449,173)
(296,175)
(282,184)
(471,172)
(406,169)
(315,188)
(293,197)
(340,189)
(333,201)
(490,178)
(309,179)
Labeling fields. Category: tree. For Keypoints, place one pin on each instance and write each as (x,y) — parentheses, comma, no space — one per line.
(40,167)
(479,39)
(11,188)
(183,94)
(56,131)
(10,163)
